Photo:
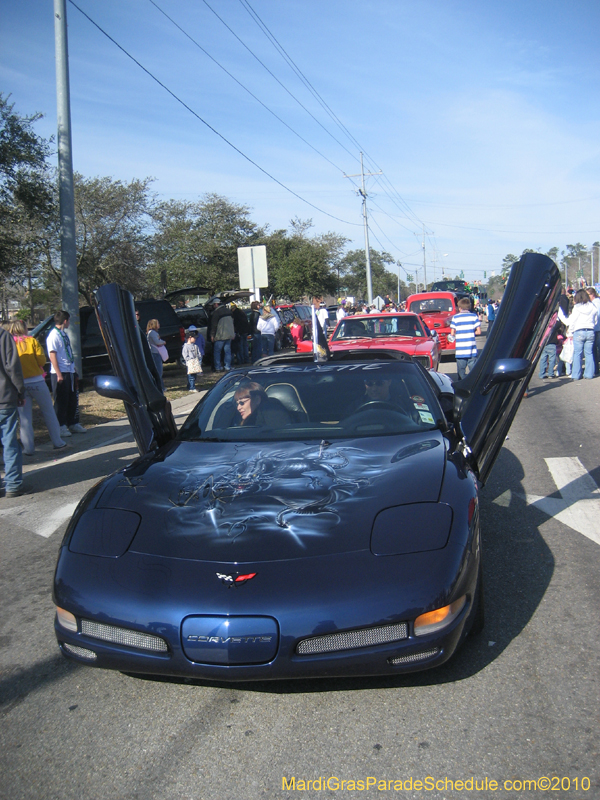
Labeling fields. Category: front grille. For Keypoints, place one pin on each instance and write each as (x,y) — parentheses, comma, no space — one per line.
(348,640)
(424,360)
(110,633)
(443,339)
(82,652)
(414,657)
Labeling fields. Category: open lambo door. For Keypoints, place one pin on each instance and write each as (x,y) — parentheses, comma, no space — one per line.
(487,400)
(134,379)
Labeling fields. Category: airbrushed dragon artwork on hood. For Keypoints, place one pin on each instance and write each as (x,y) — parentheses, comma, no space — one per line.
(292,499)
(274,489)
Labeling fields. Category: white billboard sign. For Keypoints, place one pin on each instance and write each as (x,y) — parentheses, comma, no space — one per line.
(252,265)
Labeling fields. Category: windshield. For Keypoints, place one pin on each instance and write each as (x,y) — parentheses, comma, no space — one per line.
(375,326)
(431,305)
(307,401)
(449,286)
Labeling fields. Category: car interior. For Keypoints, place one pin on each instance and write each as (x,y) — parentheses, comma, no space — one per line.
(315,404)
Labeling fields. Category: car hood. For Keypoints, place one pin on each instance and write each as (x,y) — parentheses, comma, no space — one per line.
(433,318)
(238,502)
(380,342)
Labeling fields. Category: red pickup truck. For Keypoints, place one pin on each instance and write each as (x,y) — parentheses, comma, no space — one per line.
(436,309)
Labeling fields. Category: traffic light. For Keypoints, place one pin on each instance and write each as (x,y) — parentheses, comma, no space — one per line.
(485,274)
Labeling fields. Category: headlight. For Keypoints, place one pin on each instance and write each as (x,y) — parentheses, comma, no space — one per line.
(435,620)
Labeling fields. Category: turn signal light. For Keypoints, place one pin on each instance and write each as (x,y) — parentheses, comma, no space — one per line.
(66,620)
(435,620)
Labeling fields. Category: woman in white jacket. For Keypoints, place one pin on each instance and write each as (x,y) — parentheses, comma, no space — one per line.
(581,323)
(267,325)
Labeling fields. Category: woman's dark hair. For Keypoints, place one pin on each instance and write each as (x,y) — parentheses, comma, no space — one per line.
(582,296)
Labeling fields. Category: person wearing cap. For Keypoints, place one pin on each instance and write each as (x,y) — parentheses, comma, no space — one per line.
(221,333)
(192,353)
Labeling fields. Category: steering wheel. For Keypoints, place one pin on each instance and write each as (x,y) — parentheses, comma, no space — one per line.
(367,414)
(371,405)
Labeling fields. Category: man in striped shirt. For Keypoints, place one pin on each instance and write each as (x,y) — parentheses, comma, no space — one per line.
(465,326)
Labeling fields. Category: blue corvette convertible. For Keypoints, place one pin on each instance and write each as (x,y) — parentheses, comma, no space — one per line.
(309,519)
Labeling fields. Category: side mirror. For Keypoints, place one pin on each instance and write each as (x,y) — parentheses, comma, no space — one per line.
(112,386)
(506,370)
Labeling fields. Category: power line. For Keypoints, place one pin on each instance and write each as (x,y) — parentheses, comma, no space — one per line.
(409,213)
(288,59)
(277,79)
(394,195)
(245,3)
(239,83)
(373,219)
(208,125)
(383,211)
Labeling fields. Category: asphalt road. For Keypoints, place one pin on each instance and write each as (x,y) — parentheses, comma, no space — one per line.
(518,703)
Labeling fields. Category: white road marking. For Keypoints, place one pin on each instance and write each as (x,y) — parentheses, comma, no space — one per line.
(78,456)
(45,512)
(37,518)
(81,454)
(579,504)
(504,499)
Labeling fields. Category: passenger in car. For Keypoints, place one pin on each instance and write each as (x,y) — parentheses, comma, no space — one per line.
(378,390)
(353,330)
(256,408)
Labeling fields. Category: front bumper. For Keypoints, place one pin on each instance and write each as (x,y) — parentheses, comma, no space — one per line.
(390,595)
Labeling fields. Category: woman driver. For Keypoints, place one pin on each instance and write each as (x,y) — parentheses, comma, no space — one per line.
(256,408)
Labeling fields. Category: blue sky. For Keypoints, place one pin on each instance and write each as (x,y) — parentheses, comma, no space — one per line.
(484,117)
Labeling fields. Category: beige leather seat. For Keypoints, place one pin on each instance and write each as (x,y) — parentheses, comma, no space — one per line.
(288,396)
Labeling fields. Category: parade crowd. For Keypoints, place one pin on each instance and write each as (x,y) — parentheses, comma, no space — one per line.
(240,337)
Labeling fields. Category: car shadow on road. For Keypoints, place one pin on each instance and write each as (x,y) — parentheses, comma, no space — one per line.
(518,567)
(18,683)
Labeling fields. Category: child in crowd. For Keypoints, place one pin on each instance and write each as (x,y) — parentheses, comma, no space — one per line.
(192,353)
(465,327)
(297,331)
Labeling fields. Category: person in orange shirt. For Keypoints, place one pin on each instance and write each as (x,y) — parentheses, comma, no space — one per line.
(32,358)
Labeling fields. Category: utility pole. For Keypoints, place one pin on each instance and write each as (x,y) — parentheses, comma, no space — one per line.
(68,254)
(363,193)
(429,233)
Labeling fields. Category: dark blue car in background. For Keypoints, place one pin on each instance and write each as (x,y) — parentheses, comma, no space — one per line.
(334,531)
